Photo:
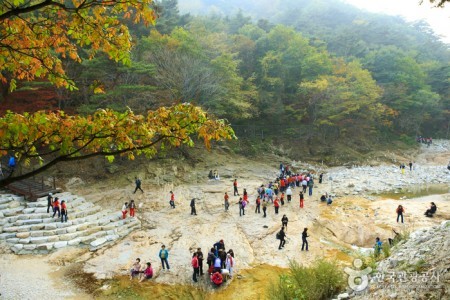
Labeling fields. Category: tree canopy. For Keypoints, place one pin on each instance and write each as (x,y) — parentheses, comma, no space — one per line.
(35,36)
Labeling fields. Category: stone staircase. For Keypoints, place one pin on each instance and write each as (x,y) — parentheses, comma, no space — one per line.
(28,229)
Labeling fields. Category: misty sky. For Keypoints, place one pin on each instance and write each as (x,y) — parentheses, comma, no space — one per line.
(410,10)
(438,18)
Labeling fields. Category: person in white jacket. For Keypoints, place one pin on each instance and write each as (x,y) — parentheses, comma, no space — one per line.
(229,264)
(289,194)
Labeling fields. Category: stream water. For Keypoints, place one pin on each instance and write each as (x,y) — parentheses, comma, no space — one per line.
(416,191)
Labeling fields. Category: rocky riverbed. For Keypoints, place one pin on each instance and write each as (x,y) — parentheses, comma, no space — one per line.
(355,218)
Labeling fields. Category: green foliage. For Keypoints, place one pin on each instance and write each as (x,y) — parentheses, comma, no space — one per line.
(408,140)
(322,280)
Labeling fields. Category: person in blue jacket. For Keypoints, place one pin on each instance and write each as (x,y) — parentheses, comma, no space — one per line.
(164,255)
(378,246)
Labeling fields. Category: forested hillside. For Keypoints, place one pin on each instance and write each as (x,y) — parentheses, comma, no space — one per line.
(321,70)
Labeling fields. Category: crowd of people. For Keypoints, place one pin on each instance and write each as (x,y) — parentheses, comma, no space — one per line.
(424,140)
(219,261)
(276,193)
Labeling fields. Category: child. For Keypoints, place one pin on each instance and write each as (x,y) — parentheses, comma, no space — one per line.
(124,210)
(136,269)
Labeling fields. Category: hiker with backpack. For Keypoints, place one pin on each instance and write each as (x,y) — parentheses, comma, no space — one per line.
(310,186)
(400,210)
(281,236)
(138,183)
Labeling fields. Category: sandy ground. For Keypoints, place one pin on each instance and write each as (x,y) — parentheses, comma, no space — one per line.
(351,220)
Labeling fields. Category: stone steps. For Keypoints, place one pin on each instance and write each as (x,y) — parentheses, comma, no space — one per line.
(55,223)
(44,218)
(29,229)
(93,237)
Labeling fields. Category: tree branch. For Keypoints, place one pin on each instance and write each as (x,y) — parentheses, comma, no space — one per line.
(5,181)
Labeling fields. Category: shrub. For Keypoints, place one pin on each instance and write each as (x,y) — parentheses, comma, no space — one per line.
(322,280)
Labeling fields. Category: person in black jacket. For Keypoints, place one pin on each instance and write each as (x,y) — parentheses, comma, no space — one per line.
(200,260)
(304,236)
(284,221)
(138,183)
(282,235)
(430,212)
(193,211)
(49,202)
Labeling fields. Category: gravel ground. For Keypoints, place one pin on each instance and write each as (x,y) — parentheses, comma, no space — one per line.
(31,278)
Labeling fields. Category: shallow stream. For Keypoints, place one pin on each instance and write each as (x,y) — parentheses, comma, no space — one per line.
(416,191)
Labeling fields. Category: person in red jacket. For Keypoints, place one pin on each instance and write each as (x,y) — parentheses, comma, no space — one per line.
(282,185)
(196,267)
(63,211)
(56,208)
(235,188)
(245,196)
(276,204)
(258,205)
(172,200)
(227,204)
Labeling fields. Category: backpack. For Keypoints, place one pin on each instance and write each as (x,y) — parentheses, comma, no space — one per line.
(278,236)
(210,258)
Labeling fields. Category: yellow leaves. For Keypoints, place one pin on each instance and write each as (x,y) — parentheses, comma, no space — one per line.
(107,132)
(45,35)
